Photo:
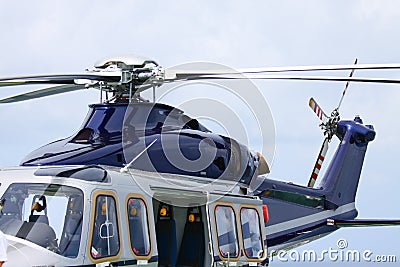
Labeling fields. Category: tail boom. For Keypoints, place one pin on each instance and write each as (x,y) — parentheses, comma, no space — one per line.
(299,213)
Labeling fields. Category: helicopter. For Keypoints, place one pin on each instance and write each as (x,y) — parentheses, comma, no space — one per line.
(111,195)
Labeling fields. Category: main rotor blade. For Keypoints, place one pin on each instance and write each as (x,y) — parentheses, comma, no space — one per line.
(42,92)
(175,73)
(318,163)
(362,222)
(60,78)
(317,110)
(284,77)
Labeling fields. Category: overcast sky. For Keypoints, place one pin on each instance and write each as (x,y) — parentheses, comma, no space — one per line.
(67,36)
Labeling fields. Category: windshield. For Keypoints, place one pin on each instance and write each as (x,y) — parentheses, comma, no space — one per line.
(48,215)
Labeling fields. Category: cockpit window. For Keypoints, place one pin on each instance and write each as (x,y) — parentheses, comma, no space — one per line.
(48,215)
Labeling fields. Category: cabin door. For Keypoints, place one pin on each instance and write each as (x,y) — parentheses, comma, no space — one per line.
(104,234)
(182,228)
(237,235)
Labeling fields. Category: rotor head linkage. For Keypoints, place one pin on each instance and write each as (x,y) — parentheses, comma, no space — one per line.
(137,74)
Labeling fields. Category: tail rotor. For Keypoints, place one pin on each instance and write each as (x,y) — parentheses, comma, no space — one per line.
(328,126)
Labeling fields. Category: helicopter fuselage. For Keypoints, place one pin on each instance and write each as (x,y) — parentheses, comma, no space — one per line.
(93,214)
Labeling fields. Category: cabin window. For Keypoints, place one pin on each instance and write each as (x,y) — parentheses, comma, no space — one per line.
(48,215)
(138,226)
(105,236)
(251,233)
(226,231)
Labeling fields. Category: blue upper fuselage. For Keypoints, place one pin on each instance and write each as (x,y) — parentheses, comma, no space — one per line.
(114,134)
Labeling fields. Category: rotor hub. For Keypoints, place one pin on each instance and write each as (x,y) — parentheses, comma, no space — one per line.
(137,74)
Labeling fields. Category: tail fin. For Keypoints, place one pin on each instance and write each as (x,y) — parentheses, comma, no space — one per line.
(340,181)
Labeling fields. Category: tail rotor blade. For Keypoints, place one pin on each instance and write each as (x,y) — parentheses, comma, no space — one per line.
(317,109)
(318,163)
(347,85)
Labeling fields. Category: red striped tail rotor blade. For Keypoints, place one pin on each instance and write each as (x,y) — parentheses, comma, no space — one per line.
(351,75)
(317,110)
(347,85)
(318,163)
